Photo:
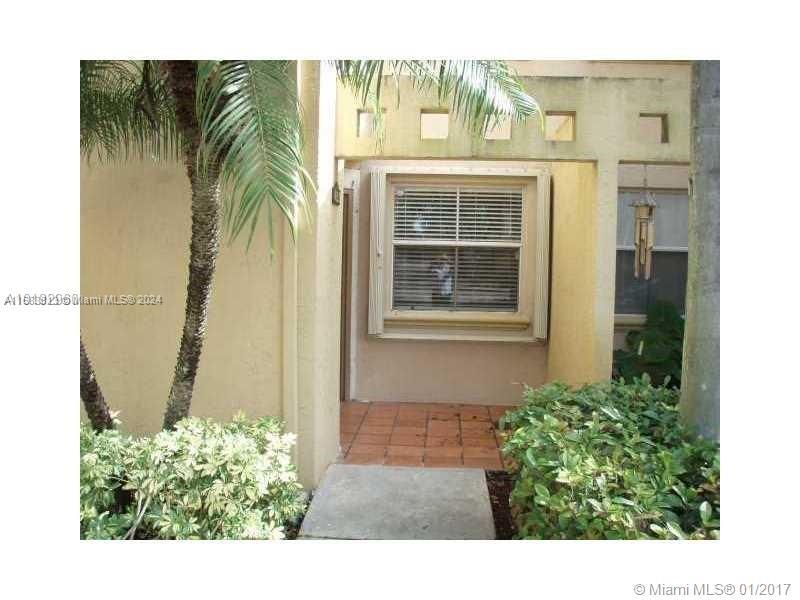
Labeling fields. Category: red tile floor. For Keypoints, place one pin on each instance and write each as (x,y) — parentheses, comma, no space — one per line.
(416,435)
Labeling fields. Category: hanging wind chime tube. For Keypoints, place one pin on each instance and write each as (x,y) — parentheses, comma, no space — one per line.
(644,231)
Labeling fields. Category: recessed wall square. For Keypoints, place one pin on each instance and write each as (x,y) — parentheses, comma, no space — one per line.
(502,131)
(366,123)
(559,126)
(434,125)
(652,128)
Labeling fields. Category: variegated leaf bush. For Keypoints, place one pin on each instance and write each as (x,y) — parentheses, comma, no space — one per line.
(202,480)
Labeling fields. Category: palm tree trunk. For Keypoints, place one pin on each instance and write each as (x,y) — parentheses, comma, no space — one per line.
(204,246)
(699,403)
(92,396)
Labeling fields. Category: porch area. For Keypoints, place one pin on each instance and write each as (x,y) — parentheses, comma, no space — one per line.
(421,434)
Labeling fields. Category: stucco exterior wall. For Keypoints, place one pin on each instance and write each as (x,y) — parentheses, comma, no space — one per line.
(607,124)
(491,372)
(317,263)
(272,345)
(135,229)
(575,282)
(607,99)
(272,341)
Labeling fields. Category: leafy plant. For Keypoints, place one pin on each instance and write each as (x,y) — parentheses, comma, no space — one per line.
(656,349)
(202,480)
(610,461)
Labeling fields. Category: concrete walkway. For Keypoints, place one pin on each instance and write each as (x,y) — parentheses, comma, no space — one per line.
(357,502)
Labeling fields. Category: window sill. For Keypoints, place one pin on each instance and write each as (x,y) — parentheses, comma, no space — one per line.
(458,326)
(489,320)
(630,320)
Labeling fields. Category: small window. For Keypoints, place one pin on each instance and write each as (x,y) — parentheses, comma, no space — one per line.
(653,128)
(559,126)
(366,123)
(501,131)
(434,124)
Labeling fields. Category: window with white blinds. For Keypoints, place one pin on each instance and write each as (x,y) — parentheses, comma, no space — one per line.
(456,248)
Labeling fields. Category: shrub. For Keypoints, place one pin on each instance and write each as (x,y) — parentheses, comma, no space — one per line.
(204,480)
(656,349)
(609,461)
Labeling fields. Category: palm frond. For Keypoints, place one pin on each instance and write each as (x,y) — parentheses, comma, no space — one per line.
(250,121)
(125,111)
(482,93)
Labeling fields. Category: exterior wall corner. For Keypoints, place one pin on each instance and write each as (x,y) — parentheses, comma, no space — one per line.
(319,253)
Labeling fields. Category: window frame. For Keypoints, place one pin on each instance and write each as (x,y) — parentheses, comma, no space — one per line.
(527,324)
(527,239)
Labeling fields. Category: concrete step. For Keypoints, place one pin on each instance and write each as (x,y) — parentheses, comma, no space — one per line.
(367,502)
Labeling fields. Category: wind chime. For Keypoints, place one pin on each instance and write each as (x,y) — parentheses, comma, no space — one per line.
(644,231)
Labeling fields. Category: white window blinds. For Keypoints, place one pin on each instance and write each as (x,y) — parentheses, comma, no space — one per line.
(456,248)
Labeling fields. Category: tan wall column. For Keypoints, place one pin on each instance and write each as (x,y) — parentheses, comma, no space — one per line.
(583,271)
(289,405)
(571,345)
(318,275)
(606,260)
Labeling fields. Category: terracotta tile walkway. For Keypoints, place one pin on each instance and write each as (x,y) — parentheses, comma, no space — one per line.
(416,435)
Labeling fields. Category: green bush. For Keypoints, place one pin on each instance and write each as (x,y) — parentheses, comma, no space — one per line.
(204,480)
(656,349)
(609,461)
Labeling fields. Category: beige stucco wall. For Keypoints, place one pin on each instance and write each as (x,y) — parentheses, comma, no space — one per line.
(575,282)
(273,335)
(607,122)
(491,372)
(317,264)
(272,341)
(135,228)
(607,99)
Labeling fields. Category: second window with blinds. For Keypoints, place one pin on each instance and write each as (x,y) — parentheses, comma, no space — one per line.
(459,257)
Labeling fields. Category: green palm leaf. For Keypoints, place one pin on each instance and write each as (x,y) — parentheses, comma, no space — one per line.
(482,93)
(126,111)
(249,116)
(250,119)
